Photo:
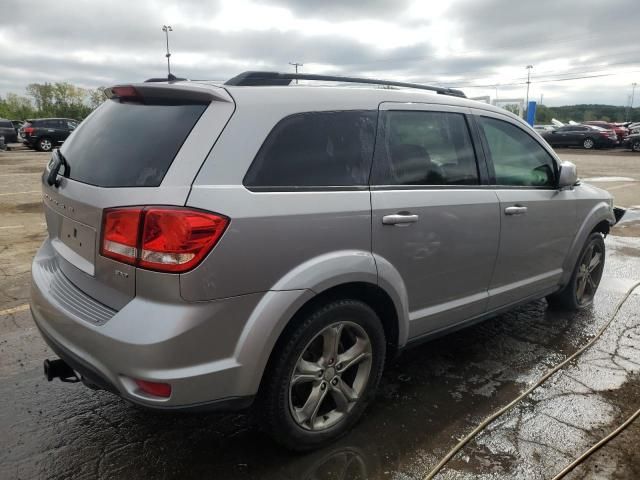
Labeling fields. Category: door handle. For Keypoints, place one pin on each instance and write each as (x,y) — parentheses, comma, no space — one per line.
(399,219)
(515,210)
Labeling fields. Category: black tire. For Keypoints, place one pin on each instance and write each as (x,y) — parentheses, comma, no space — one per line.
(635,146)
(44,144)
(273,410)
(568,298)
(588,143)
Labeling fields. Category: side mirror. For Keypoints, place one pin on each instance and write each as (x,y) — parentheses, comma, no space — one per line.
(568,175)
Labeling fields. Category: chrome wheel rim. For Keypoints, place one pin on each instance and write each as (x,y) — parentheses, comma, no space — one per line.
(45,144)
(589,273)
(636,147)
(330,376)
(588,143)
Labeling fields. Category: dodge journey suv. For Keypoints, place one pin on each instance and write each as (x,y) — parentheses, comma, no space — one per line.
(265,245)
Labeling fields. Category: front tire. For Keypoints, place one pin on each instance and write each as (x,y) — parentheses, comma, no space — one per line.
(323,375)
(635,146)
(579,292)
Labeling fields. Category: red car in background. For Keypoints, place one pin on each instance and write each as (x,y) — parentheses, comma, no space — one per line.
(621,132)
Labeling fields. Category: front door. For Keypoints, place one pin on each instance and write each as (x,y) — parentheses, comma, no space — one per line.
(538,221)
(435,224)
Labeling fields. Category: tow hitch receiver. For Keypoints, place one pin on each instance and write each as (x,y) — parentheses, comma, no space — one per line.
(59,369)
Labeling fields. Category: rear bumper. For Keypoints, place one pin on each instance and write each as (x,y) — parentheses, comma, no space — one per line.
(190,345)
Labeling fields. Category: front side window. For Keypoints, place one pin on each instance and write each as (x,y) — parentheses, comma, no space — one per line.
(518,160)
(425,148)
(316,149)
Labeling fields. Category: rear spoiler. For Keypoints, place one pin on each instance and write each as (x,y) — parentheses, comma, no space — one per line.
(154,92)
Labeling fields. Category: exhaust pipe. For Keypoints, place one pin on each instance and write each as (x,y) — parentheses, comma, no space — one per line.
(59,369)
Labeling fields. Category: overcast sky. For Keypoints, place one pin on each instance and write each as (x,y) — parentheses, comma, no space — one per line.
(472,44)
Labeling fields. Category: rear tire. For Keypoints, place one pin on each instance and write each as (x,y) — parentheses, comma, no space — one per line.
(44,144)
(579,292)
(588,143)
(317,387)
(635,146)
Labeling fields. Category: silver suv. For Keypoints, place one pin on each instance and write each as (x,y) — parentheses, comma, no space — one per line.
(271,245)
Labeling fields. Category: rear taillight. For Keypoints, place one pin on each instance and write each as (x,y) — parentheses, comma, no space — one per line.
(120,232)
(28,130)
(160,238)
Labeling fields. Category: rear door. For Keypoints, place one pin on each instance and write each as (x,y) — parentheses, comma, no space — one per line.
(434,219)
(538,221)
(144,150)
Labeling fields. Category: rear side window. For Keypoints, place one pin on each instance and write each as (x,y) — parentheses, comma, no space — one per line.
(129,144)
(425,148)
(518,160)
(6,124)
(316,149)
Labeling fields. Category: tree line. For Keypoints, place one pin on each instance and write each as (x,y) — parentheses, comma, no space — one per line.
(60,99)
(584,113)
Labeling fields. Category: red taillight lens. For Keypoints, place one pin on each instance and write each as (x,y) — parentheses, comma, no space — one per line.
(154,388)
(120,231)
(175,240)
(28,130)
(163,239)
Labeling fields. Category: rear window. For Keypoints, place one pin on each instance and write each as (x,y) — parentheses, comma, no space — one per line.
(316,149)
(129,144)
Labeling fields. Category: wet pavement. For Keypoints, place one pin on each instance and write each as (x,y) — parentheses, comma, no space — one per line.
(429,398)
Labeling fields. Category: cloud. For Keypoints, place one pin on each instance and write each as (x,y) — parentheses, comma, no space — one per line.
(463,42)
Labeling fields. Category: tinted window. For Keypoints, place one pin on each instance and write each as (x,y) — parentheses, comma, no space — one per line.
(517,158)
(316,149)
(425,148)
(129,144)
(6,124)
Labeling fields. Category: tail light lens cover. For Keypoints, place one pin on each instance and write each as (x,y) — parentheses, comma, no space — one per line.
(164,239)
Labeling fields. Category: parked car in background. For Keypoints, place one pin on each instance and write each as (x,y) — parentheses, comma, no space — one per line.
(585,136)
(252,243)
(45,133)
(632,142)
(7,131)
(620,131)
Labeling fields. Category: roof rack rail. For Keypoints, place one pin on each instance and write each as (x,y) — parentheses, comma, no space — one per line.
(257,78)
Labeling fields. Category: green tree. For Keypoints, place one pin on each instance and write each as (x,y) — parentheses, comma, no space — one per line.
(15,107)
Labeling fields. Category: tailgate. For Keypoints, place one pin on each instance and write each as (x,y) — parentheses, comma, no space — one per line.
(126,153)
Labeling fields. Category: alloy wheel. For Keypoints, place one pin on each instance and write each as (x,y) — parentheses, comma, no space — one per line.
(330,376)
(45,144)
(635,146)
(588,143)
(589,273)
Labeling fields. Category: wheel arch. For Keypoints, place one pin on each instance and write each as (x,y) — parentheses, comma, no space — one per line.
(599,219)
(340,274)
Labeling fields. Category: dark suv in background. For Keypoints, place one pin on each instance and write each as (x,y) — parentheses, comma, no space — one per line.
(7,131)
(45,133)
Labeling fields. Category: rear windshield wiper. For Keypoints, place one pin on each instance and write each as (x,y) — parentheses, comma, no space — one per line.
(58,161)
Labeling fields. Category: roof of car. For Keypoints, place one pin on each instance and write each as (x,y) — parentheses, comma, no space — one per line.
(50,118)
(321,97)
